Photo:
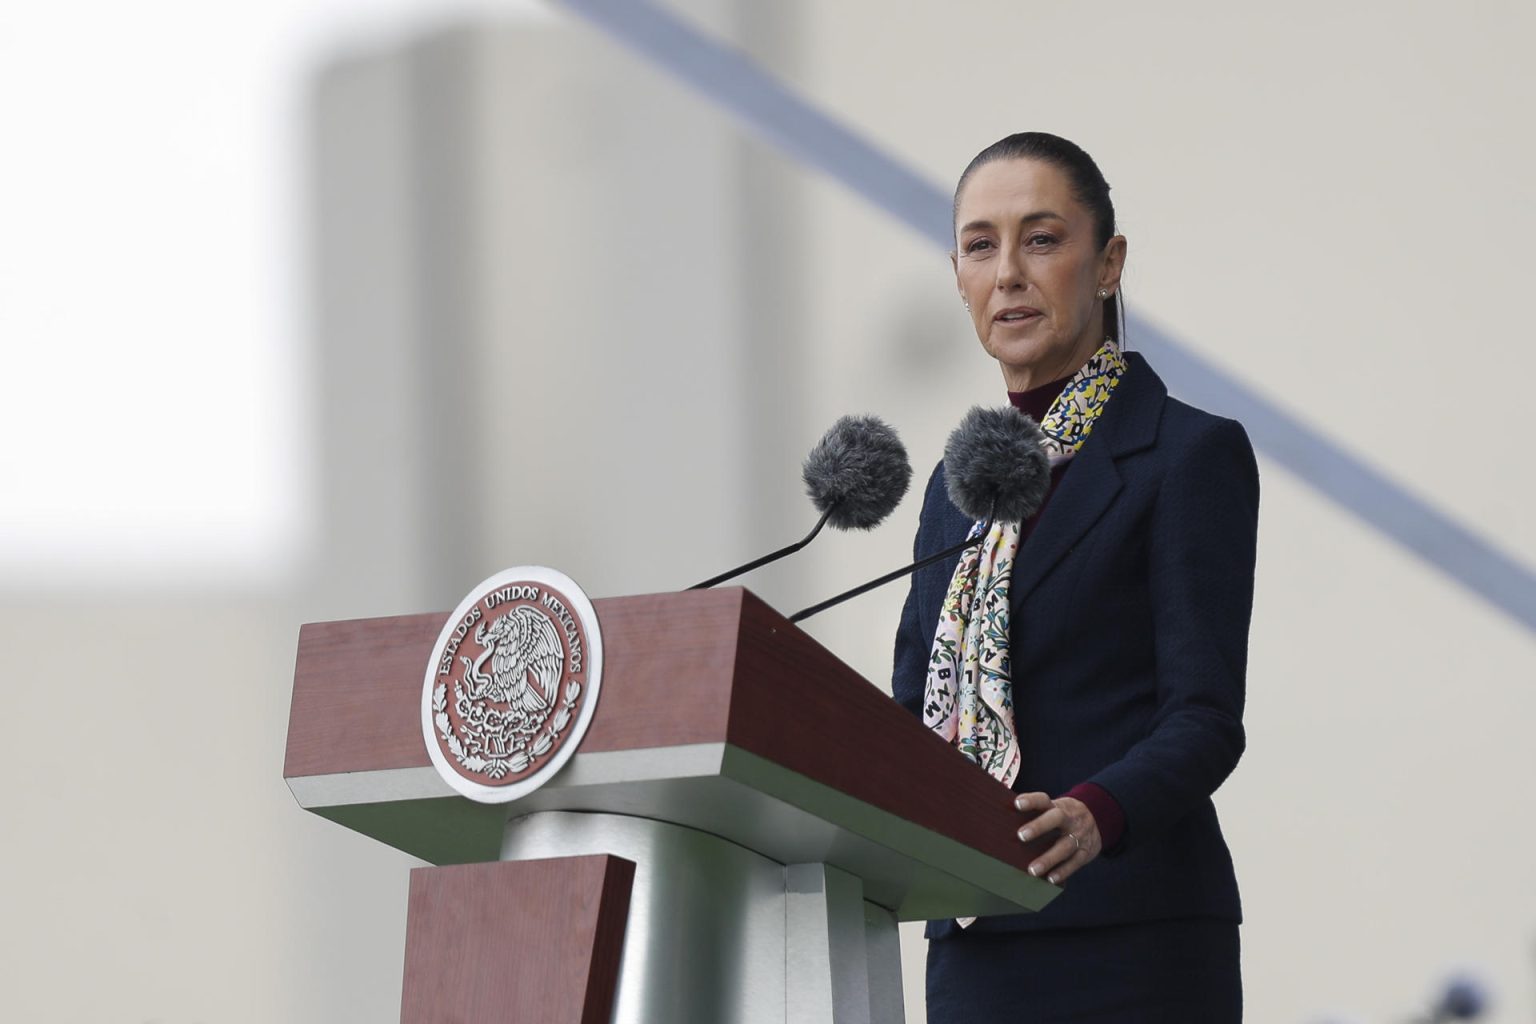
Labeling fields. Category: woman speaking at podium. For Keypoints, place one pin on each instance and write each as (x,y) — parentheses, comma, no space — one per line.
(1092,658)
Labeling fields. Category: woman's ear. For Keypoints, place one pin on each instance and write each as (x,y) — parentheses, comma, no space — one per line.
(1113,264)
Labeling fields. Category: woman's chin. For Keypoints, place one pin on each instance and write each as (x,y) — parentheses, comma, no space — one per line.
(1022,357)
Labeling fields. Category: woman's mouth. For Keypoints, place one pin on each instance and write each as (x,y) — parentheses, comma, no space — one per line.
(1016,315)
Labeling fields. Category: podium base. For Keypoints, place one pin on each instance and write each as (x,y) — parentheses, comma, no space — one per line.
(720,935)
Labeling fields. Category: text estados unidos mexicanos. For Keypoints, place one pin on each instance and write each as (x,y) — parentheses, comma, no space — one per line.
(518,592)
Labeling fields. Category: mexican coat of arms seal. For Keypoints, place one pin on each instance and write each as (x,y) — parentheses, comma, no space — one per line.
(512,684)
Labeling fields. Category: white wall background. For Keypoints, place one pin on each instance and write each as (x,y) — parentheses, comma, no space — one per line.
(257,266)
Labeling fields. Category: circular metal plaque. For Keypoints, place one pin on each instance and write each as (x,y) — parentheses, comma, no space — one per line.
(512,684)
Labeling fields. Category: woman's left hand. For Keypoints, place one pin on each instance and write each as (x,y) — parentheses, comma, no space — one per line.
(1079,843)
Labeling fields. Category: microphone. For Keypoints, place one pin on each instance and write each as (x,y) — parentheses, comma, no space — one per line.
(858,473)
(995,465)
(855,476)
(995,469)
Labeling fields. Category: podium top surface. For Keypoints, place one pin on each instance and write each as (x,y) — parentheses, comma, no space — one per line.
(700,688)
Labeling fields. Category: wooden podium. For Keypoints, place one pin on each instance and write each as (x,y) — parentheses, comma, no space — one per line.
(735,839)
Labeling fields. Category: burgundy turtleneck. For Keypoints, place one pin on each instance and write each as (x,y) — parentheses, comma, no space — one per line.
(1035,403)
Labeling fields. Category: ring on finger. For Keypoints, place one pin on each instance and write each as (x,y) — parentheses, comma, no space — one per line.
(1076,842)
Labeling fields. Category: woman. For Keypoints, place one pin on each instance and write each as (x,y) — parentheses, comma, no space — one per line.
(1091,658)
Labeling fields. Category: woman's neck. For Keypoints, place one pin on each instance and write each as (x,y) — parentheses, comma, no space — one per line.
(1036,402)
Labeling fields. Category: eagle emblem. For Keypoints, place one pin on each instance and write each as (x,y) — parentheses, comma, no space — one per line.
(512,678)
(526,658)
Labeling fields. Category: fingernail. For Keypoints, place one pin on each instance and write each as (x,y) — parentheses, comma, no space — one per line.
(1024,834)
(1035,871)
(1052,879)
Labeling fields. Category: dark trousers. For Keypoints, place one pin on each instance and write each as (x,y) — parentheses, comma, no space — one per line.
(1180,972)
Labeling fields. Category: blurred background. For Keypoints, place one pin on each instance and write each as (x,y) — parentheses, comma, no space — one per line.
(330,311)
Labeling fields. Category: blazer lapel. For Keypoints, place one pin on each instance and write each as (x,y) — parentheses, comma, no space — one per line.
(1127,424)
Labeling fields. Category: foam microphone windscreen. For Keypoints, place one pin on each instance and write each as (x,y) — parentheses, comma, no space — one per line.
(859,470)
(995,465)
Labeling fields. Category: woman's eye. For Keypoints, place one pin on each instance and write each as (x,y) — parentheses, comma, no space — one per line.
(978,245)
(1039,239)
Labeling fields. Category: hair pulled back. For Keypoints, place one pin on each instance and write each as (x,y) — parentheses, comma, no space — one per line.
(1088,188)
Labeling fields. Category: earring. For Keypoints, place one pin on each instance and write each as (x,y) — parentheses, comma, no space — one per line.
(1103,294)
(967,304)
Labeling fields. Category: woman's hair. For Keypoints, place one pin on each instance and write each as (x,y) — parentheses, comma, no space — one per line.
(1088,188)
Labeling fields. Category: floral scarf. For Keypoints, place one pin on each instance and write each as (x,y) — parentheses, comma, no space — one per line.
(968,697)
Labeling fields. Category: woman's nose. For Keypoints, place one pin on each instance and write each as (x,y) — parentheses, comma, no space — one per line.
(1010,269)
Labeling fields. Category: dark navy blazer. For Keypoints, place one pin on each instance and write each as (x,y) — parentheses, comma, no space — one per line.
(1131,603)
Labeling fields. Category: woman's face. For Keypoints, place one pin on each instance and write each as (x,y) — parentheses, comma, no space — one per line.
(1028,264)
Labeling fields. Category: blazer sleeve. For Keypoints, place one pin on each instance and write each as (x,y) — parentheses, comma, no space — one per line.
(909,672)
(1201,552)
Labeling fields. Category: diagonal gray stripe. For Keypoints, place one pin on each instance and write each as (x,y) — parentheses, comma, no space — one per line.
(730,78)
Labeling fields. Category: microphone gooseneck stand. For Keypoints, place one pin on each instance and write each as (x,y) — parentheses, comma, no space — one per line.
(864,588)
(781,553)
